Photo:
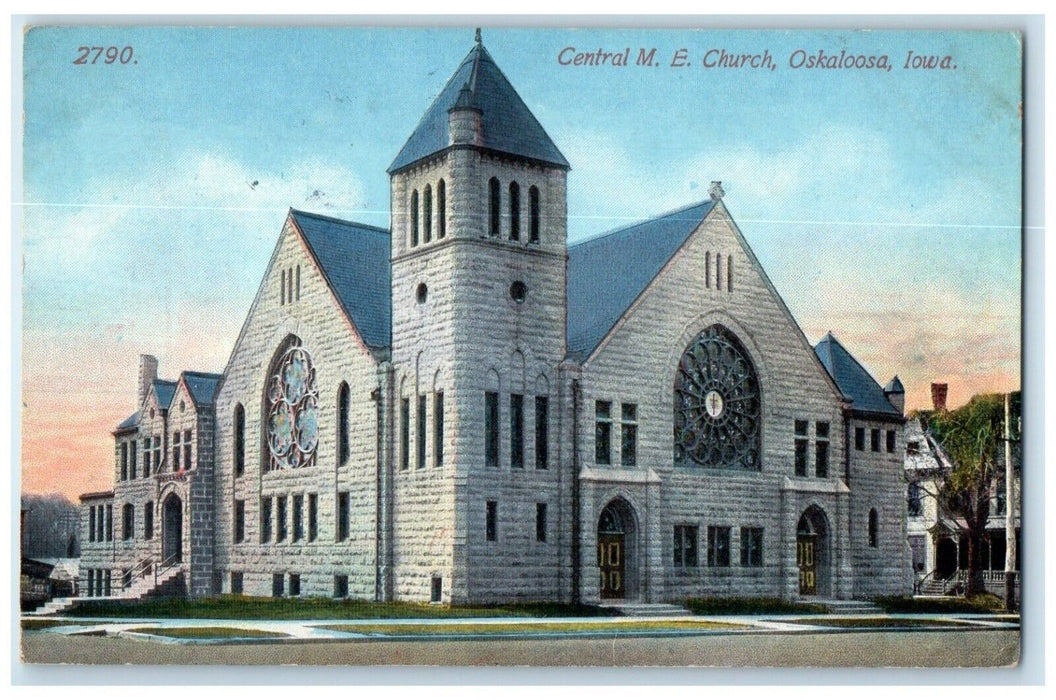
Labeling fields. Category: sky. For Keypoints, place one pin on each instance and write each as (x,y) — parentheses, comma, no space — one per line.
(885,205)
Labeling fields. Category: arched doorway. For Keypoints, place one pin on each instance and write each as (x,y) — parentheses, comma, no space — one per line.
(172,529)
(813,552)
(618,551)
(945,558)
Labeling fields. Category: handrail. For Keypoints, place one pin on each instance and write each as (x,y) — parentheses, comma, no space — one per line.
(139,570)
(163,567)
(918,586)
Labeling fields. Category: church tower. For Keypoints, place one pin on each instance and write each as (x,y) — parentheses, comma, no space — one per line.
(478,335)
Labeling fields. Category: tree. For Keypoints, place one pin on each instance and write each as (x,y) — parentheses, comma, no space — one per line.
(970,445)
(49,526)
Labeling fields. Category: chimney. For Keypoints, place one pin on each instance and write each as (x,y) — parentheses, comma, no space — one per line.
(148,372)
(938,396)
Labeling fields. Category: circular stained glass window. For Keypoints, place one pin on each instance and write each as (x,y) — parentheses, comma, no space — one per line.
(717,406)
(292,423)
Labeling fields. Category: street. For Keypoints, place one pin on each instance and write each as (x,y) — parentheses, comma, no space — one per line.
(961,648)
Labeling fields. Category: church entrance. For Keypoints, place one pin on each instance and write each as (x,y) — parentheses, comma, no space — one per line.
(812,552)
(617,549)
(172,530)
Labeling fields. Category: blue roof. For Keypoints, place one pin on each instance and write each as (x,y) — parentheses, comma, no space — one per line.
(130,422)
(895,386)
(354,258)
(507,123)
(164,389)
(853,380)
(202,386)
(607,273)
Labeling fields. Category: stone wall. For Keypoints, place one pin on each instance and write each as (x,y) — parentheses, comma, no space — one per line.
(338,355)
(637,363)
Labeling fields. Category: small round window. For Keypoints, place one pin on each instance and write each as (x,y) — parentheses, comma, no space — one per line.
(421,293)
(518,291)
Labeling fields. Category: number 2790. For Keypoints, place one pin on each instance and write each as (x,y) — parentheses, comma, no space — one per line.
(109,54)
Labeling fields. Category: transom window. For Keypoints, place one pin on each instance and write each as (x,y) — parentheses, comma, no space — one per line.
(291,419)
(717,404)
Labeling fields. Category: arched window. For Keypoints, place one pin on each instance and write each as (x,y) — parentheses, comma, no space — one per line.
(441,209)
(707,269)
(729,273)
(718,271)
(414,218)
(515,211)
(872,527)
(240,440)
(290,421)
(717,406)
(493,207)
(533,214)
(342,423)
(427,214)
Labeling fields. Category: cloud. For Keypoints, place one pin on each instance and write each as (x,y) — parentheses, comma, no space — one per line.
(165,262)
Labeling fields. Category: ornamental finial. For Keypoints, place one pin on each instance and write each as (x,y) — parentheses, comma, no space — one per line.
(716,192)
(477,37)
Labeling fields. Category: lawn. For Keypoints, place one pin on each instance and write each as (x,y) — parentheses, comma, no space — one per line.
(750,606)
(535,628)
(208,633)
(230,607)
(875,622)
(979,604)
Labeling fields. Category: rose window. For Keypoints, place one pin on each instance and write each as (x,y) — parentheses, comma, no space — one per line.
(292,423)
(717,405)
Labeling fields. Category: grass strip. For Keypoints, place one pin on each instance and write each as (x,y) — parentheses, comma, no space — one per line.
(208,632)
(30,625)
(874,622)
(534,628)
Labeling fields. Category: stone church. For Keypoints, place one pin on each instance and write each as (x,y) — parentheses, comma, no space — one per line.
(467,408)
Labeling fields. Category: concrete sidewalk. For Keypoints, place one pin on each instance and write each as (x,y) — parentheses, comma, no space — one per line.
(301,631)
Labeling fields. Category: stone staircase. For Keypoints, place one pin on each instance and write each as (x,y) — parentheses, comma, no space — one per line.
(649,609)
(931,587)
(140,589)
(851,607)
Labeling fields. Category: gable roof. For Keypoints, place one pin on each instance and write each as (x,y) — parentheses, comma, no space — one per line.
(354,259)
(128,424)
(607,273)
(202,386)
(506,122)
(853,380)
(164,390)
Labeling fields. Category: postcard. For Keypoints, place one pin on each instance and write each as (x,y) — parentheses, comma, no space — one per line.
(521,346)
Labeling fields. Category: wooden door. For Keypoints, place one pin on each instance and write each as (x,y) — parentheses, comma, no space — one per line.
(611,561)
(807,561)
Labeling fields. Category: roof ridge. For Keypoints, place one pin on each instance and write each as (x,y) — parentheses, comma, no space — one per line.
(611,232)
(202,374)
(336,220)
